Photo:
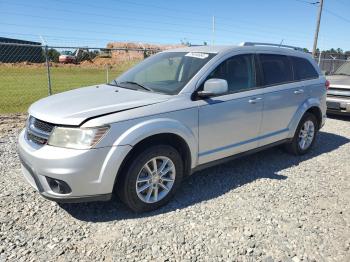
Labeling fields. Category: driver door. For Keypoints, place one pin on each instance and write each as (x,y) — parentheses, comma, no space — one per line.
(229,123)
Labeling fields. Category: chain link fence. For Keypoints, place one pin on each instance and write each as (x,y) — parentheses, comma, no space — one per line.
(29,72)
(329,63)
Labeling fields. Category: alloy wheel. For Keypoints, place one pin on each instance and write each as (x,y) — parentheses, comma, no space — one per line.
(155,179)
(306,135)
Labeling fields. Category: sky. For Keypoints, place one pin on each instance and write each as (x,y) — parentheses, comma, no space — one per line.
(95,23)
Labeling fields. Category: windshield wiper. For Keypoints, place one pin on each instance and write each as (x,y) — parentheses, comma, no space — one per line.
(134,83)
(114,83)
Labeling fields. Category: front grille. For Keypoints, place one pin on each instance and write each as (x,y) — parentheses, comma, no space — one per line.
(36,139)
(38,131)
(43,126)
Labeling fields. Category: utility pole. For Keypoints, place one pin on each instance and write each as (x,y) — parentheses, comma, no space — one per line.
(213,26)
(317,28)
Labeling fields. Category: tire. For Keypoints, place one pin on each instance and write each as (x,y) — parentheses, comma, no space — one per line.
(137,176)
(296,145)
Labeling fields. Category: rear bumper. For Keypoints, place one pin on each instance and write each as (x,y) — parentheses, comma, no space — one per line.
(90,174)
(338,105)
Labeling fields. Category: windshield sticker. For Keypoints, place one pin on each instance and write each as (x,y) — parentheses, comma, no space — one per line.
(197,55)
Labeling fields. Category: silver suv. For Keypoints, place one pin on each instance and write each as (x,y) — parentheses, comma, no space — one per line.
(171,115)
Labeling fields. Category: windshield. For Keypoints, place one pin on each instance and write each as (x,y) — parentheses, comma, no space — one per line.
(166,72)
(343,70)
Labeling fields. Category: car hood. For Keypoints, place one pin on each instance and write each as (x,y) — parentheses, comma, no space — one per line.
(76,106)
(339,81)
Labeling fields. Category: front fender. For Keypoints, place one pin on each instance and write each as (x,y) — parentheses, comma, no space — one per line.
(140,131)
(311,102)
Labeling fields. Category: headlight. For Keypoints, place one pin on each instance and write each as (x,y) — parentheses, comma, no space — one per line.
(77,138)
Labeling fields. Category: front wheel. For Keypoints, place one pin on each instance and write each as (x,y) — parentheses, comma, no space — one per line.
(304,136)
(151,178)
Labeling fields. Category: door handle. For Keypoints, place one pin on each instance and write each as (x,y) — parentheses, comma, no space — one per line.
(254,100)
(299,91)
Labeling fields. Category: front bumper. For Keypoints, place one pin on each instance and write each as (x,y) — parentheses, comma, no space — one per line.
(338,105)
(90,174)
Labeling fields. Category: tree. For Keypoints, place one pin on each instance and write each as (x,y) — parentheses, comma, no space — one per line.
(53,55)
(340,51)
(185,42)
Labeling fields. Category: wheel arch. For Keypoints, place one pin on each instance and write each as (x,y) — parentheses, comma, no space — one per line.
(312,106)
(171,139)
(161,126)
(159,131)
(316,111)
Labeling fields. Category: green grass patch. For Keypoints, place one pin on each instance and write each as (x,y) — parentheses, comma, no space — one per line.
(21,86)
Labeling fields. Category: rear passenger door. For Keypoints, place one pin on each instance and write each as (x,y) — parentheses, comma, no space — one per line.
(282,96)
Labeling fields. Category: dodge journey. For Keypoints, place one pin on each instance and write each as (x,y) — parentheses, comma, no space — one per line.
(172,114)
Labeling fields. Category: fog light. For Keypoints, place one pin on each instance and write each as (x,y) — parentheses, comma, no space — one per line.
(58,186)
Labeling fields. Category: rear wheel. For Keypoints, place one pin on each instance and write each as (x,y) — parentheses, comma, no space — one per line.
(304,136)
(151,178)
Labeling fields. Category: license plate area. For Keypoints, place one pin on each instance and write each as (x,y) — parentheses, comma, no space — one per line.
(333,105)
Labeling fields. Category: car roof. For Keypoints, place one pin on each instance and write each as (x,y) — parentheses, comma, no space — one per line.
(203,48)
(216,49)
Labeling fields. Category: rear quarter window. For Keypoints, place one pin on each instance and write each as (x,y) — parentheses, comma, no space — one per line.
(275,69)
(303,69)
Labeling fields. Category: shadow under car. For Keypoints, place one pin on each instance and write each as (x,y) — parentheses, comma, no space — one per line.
(212,182)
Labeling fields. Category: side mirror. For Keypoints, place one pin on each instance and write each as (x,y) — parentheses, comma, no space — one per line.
(213,87)
(327,73)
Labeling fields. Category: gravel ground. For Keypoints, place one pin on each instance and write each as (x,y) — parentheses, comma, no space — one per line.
(265,207)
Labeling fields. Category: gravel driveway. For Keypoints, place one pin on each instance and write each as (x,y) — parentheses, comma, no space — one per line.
(265,207)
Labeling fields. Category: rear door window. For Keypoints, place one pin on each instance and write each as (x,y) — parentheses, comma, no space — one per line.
(303,69)
(275,69)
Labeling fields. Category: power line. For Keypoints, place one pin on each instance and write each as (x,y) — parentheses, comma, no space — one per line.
(108,33)
(221,28)
(342,2)
(133,11)
(336,15)
(89,13)
(81,40)
(90,31)
(235,28)
(326,9)
(237,32)
(99,23)
(245,33)
(308,2)
(222,25)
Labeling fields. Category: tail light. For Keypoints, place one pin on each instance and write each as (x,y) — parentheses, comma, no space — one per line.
(327,84)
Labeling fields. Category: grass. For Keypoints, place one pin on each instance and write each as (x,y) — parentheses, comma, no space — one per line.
(21,86)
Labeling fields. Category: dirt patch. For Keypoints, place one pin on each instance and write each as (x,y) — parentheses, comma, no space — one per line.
(132,45)
(10,122)
(131,55)
(114,58)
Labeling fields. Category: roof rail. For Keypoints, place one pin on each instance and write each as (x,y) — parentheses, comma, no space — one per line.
(269,44)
